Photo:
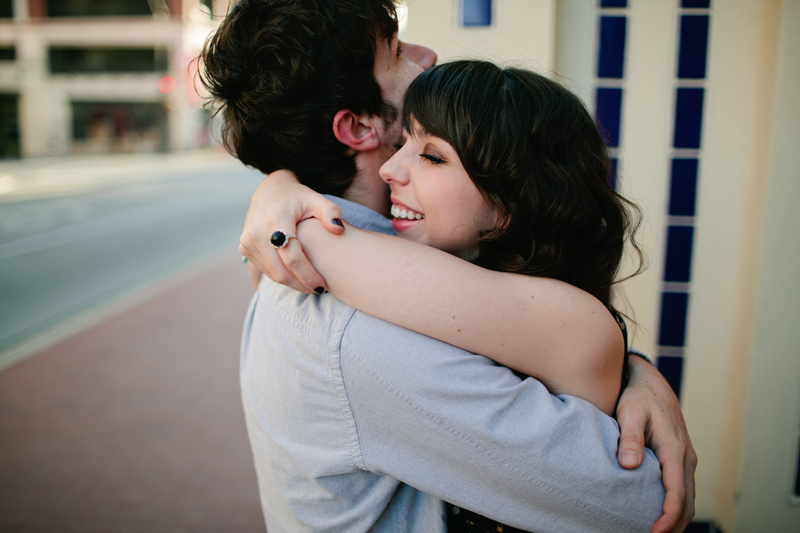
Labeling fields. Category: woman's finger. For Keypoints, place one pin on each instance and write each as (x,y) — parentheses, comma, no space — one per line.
(297,264)
(268,261)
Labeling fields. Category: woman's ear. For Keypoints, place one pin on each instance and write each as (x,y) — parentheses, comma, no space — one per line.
(359,132)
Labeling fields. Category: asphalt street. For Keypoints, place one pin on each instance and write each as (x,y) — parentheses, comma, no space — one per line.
(75,233)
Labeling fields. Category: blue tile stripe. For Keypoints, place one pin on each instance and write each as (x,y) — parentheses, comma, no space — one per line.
(610,46)
(613,3)
(671,367)
(609,114)
(688,117)
(612,173)
(610,62)
(679,253)
(696,3)
(797,478)
(674,306)
(694,41)
(688,122)
(683,187)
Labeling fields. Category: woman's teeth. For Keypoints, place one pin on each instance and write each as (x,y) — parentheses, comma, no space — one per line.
(402,212)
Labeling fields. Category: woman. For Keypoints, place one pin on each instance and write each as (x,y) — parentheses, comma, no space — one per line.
(504,169)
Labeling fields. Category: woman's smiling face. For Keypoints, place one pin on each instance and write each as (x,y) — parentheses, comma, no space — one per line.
(434,201)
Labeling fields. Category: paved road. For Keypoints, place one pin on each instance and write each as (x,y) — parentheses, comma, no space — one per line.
(75,233)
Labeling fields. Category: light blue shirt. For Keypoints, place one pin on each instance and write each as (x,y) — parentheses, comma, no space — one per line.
(359,425)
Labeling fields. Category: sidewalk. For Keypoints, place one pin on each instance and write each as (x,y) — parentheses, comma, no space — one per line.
(135,425)
(27,178)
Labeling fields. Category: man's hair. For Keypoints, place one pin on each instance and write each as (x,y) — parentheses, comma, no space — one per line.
(279,70)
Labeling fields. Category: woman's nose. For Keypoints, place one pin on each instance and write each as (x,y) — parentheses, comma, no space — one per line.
(393,171)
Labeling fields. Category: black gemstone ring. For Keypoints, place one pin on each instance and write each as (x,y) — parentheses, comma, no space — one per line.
(280,239)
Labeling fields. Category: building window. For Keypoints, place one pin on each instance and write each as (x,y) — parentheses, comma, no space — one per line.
(102,127)
(65,60)
(8,53)
(98,8)
(476,12)
(9,125)
(6,9)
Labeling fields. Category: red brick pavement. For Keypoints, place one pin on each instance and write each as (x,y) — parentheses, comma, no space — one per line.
(136,424)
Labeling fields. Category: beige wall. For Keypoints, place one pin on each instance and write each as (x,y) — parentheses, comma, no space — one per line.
(522,32)
(772,390)
(741,383)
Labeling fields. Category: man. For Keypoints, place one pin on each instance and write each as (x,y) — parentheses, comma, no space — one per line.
(341,435)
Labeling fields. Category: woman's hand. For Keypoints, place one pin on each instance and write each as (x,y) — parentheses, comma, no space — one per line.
(280,203)
(649,414)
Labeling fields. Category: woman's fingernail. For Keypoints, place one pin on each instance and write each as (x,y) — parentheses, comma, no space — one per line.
(319,290)
(338,222)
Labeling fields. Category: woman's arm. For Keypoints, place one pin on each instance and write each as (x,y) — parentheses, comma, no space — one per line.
(545,328)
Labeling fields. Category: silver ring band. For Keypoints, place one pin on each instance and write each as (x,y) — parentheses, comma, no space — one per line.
(279,239)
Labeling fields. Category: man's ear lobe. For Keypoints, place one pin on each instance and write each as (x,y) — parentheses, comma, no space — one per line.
(359,132)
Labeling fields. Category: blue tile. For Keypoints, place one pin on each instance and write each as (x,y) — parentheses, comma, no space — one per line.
(678,262)
(477,12)
(612,173)
(696,3)
(797,478)
(613,3)
(672,330)
(688,117)
(609,109)
(672,369)
(683,187)
(694,44)
(611,57)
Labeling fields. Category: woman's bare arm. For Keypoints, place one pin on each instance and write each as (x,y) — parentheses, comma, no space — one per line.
(545,328)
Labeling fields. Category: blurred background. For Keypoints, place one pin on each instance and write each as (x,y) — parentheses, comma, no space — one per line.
(119,218)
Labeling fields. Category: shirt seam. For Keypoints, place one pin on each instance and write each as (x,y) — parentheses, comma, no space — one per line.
(357,455)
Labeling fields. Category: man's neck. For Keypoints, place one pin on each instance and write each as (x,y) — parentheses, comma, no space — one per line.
(367,187)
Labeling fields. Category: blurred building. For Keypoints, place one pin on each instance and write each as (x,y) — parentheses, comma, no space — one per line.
(99,76)
(699,103)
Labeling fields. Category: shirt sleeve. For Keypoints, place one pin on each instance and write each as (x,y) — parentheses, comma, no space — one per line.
(460,427)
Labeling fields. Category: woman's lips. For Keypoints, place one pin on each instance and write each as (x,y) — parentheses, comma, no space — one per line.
(404,217)
(403,212)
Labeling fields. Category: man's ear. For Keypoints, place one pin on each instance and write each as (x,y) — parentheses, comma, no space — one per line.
(359,132)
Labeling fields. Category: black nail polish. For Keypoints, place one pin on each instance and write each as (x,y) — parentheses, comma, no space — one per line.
(338,222)
(319,290)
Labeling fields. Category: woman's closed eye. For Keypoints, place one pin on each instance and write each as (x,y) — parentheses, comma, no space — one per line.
(435,159)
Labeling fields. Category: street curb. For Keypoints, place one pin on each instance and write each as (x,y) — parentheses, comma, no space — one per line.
(113,307)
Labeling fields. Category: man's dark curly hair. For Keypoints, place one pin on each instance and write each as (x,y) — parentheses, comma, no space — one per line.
(279,70)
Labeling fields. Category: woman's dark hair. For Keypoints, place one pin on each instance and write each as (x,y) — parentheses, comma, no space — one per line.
(279,70)
(537,157)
